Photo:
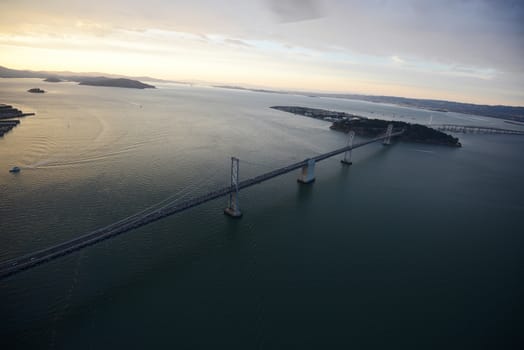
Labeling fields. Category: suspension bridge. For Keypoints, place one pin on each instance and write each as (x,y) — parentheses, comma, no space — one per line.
(306,175)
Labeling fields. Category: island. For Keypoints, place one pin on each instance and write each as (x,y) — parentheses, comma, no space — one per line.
(53,80)
(366,127)
(36,91)
(412,132)
(115,82)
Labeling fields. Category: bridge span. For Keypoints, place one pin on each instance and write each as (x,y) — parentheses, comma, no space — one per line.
(13,266)
(471,129)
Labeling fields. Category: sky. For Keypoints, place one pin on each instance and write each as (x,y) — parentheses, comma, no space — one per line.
(460,50)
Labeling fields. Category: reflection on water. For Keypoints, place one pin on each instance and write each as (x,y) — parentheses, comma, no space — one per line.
(405,246)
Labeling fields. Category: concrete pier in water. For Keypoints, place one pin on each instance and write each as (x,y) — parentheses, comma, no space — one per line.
(307,175)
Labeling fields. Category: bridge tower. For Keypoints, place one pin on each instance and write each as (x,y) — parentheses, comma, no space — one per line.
(233,208)
(387,140)
(307,174)
(347,154)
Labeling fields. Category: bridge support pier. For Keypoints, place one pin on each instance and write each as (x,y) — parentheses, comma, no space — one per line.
(347,154)
(307,174)
(233,208)
(387,140)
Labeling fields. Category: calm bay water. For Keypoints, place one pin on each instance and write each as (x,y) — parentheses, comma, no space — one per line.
(414,246)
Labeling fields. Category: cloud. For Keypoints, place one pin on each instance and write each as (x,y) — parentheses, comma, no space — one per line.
(94,28)
(397,59)
(403,39)
(236,42)
(483,33)
(295,10)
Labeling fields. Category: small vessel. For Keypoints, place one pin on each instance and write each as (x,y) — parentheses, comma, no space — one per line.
(14,169)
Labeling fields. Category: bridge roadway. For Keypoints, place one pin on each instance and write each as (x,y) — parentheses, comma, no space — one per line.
(13,266)
(471,129)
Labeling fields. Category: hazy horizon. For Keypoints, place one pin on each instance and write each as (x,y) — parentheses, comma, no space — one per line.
(467,51)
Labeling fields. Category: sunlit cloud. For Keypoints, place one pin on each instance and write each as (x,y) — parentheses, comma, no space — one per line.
(397,59)
(374,47)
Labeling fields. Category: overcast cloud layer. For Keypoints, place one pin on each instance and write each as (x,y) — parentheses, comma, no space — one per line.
(471,49)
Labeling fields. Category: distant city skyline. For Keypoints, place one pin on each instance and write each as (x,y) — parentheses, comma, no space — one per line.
(467,51)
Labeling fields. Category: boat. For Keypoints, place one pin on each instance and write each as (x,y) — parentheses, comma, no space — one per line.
(15,169)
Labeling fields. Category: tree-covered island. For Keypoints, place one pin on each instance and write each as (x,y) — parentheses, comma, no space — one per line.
(362,126)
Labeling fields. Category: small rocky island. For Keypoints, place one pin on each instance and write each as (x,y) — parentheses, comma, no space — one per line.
(36,91)
(53,80)
(374,127)
(115,82)
(7,115)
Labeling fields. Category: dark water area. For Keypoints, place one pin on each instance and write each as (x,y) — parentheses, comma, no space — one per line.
(413,246)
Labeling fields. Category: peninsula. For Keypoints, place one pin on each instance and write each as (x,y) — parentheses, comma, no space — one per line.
(362,126)
(316,113)
(7,113)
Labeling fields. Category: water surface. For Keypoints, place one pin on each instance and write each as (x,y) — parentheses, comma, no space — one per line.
(413,246)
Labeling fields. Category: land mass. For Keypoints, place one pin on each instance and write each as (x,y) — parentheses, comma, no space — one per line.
(366,127)
(515,113)
(53,80)
(117,82)
(36,91)
(497,111)
(82,79)
(7,115)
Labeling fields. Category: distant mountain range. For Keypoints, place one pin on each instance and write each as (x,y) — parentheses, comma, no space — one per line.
(502,112)
(71,76)
(100,79)
(93,79)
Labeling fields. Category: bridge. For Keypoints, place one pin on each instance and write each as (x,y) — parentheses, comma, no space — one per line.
(307,175)
(467,129)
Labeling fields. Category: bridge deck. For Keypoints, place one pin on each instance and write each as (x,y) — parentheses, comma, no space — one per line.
(25,262)
(471,129)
